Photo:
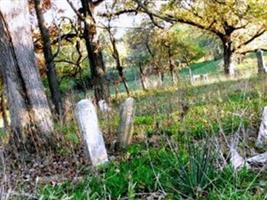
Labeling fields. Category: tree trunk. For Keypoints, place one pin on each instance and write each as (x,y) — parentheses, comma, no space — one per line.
(116,56)
(50,65)
(3,108)
(174,79)
(160,82)
(97,67)
(229,63)
(31,120)
(171,67)
(162,76)
(142,78)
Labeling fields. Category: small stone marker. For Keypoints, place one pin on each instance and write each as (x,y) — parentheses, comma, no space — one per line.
(86,117)
(103,106)
(195,78)
(262,136)
(205,78)
(127,112)
(261,63)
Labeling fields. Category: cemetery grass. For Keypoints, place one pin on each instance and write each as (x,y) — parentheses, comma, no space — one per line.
(175,154)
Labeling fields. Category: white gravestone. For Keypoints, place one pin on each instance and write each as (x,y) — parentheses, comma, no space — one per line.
(86,117)
(126,127)
(262,136)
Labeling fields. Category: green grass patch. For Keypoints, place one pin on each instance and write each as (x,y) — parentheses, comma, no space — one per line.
(186,174)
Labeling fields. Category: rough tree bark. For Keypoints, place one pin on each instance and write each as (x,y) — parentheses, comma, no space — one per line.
(50,65)
(31,120)
(98,70)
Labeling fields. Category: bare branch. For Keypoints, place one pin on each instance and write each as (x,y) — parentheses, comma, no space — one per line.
(67,36)
(98,2)
(118,13)
(154,22)
(65,61)
(251,51)
(256,35)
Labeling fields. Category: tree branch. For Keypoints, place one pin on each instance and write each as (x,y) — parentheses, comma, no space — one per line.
(251,51)
(67,36)
(96,3)
(118,13)
(154,22)
(171,19)
(257,34)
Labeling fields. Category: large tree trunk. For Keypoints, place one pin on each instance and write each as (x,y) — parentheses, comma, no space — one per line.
(31,120)
(98,71)
(228,57)
(50,66)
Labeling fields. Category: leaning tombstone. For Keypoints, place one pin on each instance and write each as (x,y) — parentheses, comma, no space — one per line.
(126,128)
(262,135)
(86,117)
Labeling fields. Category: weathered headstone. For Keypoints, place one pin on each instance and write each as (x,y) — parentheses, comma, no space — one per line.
(103,106)
(127,112)
(261,62)
(86,117)
(154,83)
(205,78)
(196,78)
(262,135)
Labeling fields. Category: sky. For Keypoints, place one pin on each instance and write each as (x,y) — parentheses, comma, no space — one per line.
(122,23)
